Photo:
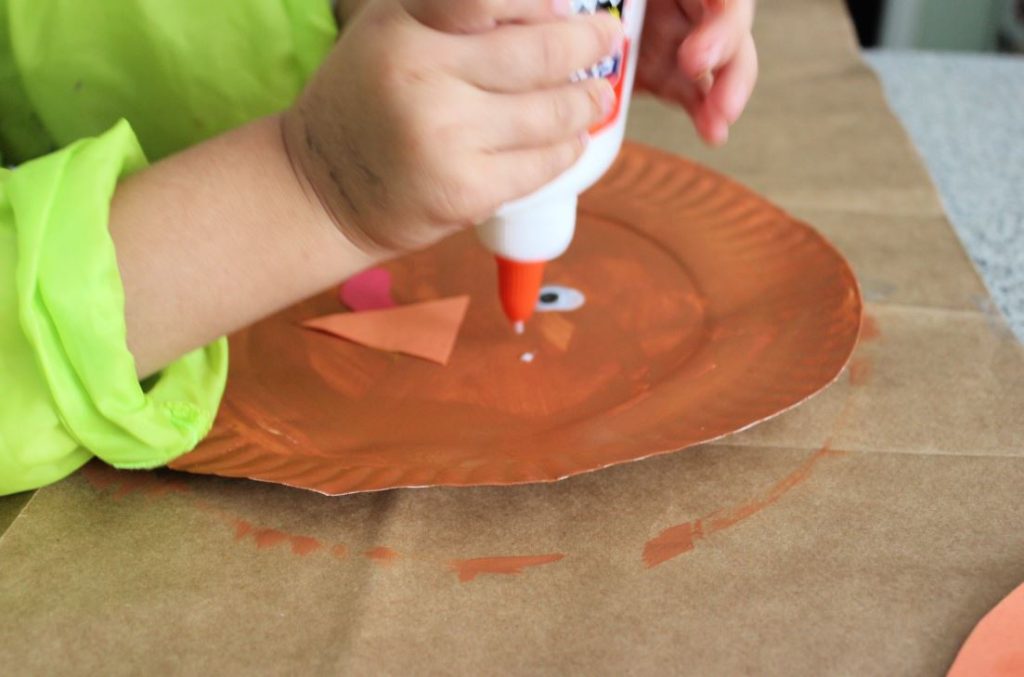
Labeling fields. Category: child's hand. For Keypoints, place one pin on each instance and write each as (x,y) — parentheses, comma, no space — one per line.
(407,134)
(701,54)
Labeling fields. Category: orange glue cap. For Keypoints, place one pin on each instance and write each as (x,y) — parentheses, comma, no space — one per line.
(519,287)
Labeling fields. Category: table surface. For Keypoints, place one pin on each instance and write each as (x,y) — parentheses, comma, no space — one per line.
(864,532)
(965,114)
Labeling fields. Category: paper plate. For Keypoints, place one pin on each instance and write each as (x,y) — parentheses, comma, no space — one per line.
(707,310)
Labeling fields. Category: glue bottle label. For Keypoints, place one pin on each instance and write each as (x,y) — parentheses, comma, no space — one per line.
(612,67)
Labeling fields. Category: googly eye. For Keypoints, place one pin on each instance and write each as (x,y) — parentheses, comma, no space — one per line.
(555,298)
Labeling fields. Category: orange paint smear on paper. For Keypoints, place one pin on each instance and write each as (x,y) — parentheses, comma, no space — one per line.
(672,542)
(242,529)
(268,538)
(381,555)
(122,483)
(869,329)
(860,371)
(468,569)
(263,537)
(304,545)
(682,538)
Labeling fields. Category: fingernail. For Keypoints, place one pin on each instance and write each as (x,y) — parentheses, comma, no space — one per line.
(714,5)
(704,82)
(562,7)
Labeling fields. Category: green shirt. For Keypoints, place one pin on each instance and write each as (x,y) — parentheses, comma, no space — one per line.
(179,71)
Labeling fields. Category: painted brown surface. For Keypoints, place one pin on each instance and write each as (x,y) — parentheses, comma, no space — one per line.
(702,297)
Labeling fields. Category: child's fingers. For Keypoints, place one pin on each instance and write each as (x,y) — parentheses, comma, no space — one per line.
(681,90)
(735,82)
(545,117)
(661,39)
(695,9)
(716,40)
(474,16)
(521,172)
(520,58)
(710,124)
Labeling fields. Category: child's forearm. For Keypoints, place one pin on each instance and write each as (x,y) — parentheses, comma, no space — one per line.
(216,237)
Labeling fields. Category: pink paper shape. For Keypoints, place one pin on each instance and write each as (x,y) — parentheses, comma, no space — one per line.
(996,645)
(426,330)
(368,290)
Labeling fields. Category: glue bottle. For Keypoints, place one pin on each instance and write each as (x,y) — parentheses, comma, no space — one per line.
(527,233)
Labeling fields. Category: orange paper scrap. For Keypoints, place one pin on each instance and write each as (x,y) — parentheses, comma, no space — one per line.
(996,646)
(427,330)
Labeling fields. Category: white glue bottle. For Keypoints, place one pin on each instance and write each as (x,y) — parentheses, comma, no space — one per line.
(531,231)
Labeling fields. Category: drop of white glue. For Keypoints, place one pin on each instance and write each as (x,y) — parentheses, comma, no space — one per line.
(518,326)
(526,357)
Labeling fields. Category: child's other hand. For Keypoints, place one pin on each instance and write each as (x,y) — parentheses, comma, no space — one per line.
(408,134)
(701,54)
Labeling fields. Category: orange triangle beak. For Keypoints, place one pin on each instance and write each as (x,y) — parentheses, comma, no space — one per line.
(427,330)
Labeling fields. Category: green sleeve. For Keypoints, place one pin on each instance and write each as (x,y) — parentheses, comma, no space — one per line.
(21,132)
(131,73)
(180,71)
(69,384)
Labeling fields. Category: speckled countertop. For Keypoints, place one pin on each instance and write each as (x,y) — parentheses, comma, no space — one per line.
(965,113)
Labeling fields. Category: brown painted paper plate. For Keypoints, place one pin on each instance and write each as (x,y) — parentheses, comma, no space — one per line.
(707,310)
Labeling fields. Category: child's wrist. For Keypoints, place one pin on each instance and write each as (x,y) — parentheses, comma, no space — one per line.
(324,183)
